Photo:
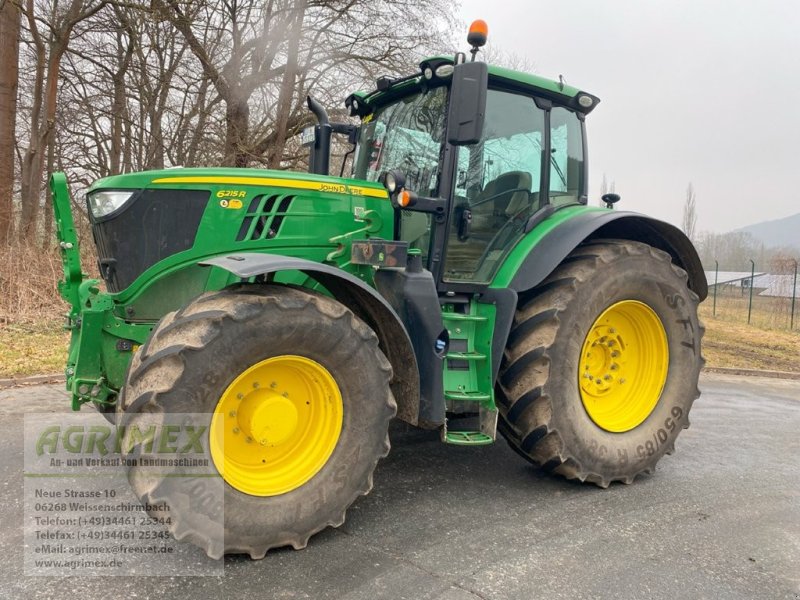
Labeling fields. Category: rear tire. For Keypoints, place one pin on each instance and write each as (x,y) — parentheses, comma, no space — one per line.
(190,364)
(547,410)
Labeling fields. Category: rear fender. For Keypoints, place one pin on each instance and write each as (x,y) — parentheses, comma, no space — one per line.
(558,243)
(365,302)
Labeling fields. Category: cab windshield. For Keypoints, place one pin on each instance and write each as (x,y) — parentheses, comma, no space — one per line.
(406,135)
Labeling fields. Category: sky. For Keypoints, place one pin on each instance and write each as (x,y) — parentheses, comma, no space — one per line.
(700,91)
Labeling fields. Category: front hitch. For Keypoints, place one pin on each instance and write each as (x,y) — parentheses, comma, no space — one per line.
(67,243)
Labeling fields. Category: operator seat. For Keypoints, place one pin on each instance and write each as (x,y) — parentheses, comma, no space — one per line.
(492,214)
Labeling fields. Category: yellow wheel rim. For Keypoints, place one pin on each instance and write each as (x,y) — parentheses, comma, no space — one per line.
(276,425)
(624,364)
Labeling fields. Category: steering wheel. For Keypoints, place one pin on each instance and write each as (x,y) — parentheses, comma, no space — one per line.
(503,193)
(519,218)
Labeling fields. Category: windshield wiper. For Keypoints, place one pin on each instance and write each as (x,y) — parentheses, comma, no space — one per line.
(558,170)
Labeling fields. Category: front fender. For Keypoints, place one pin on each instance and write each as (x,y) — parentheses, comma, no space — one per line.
(364,301)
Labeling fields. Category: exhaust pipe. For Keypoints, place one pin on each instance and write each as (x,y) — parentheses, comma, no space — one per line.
(320,156)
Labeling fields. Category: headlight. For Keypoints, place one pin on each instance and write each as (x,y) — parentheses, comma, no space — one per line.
(393,180)
(444,71)
(105,202)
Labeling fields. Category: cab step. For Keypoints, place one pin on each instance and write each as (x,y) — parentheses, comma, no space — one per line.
(465,356)
(460,396)
(468,438)
(486,433)
(450,316)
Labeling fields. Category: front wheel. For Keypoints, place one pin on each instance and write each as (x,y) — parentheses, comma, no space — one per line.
(296,393)
(602,364)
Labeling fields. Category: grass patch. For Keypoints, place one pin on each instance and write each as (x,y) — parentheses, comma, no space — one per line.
(731,342)
(37,348)
(40,347)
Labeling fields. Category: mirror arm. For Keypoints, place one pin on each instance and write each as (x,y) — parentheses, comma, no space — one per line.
(424,204)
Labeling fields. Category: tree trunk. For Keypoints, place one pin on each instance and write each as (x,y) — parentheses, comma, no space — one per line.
(10,17)
(286,95)
(48,202)
(118,106)
(237,122)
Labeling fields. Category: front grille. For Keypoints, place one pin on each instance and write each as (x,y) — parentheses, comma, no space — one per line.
(264,217)
(153,226)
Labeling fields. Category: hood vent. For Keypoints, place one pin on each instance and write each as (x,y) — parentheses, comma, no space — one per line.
(264,217)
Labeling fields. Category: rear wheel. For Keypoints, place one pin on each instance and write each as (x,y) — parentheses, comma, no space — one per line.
(296,392)
(602,364)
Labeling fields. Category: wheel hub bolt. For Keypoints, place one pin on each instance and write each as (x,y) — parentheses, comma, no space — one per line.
(255,384)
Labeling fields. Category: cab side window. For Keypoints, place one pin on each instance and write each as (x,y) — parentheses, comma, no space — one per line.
(566,158)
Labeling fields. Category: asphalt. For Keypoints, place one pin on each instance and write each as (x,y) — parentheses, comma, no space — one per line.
(719,519)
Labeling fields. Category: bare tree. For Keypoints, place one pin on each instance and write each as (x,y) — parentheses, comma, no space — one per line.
(689,213)
(496,55)
(261,58)
(49,47)
(108,86)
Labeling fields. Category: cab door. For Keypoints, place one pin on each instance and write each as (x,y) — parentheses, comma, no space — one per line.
(527,158)
(498,181)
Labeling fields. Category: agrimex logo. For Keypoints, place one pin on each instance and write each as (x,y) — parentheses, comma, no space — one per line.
(109,439)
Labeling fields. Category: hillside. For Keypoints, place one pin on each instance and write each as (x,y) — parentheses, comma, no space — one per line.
(777,233)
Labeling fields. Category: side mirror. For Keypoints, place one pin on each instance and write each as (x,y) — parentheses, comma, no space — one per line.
(467,103)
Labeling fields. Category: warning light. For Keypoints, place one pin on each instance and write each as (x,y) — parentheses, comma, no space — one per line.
(478,34)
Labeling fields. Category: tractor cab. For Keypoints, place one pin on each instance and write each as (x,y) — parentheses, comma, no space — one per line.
(484,192)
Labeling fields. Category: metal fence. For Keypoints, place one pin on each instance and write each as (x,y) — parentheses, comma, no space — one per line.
(762,297)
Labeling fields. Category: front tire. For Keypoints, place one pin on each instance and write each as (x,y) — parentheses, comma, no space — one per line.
(285,377)
(602,364)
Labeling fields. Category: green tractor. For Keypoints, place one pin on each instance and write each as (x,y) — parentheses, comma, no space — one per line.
(458,280)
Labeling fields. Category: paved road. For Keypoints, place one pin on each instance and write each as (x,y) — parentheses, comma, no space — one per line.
(719,519)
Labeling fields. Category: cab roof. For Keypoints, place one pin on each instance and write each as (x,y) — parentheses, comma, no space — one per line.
(557,91)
